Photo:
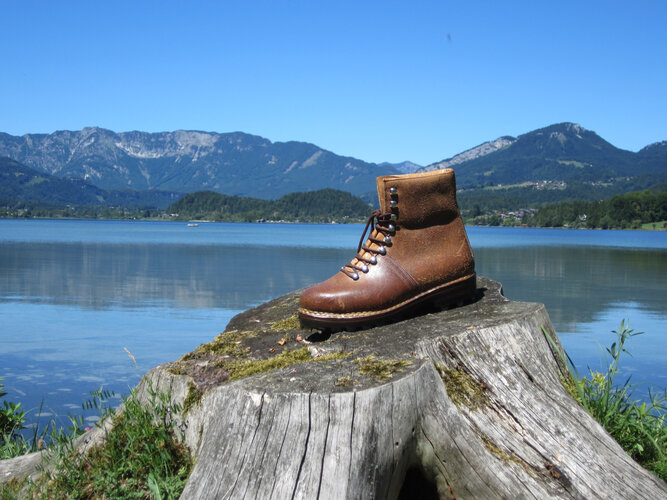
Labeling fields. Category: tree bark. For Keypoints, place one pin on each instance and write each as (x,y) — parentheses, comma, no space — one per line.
(464,403)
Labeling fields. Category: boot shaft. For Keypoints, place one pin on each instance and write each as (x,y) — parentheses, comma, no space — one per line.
(419,200)
(430,241)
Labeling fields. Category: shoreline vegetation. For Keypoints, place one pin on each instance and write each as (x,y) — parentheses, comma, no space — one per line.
(640,210)
(142,456)
(655,226)
(640,427)
(637,210)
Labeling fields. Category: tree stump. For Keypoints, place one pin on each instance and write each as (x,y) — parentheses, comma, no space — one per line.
(465,403)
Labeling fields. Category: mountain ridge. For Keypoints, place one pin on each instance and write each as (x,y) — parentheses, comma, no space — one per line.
(187,161)
(19,183)
(241,164)
(471,154)
(564,152)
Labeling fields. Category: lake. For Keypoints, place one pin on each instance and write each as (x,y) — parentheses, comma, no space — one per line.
(85,304)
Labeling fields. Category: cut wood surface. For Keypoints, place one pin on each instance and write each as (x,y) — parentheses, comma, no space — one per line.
(464,403)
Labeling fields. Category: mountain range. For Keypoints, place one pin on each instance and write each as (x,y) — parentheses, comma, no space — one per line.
(98,166)
(186,161)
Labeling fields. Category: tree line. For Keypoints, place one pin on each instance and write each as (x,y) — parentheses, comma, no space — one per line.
(627,211)
(325,205)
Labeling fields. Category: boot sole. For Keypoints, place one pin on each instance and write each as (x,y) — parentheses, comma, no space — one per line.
(455,292)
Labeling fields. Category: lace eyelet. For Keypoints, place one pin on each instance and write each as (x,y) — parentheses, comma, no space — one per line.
(393,190)
(393,203)
(382,229)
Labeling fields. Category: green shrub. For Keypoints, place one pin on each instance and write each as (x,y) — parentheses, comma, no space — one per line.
(14,442)
(12,418)
(141,457)
(639,427)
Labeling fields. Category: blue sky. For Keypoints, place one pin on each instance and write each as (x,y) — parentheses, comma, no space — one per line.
(380,81)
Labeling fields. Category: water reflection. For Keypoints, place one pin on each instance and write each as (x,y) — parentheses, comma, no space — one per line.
(99,276)
(577,283)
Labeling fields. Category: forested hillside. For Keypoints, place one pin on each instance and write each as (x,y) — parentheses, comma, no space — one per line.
(23,186)
(326,205)
(628,211)
(535,195)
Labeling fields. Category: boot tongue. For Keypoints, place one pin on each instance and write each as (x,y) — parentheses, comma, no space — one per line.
(380,187)
(380,182)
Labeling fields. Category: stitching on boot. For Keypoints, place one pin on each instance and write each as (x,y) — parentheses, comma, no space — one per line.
(361,314)
(400,271)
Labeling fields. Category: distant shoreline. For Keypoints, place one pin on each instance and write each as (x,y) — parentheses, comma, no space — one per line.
(360,222)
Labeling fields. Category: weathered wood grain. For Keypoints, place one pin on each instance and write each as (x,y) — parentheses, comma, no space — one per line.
(480,411)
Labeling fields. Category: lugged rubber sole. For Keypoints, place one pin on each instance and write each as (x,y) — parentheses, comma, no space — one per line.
(454,293)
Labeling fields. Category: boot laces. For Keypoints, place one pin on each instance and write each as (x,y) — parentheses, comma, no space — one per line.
(381,228)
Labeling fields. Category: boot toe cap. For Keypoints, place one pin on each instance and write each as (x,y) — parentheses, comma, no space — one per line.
(324,297)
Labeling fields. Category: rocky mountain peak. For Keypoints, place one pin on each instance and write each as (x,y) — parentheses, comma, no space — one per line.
(653,147)
(472,153)
(561,132)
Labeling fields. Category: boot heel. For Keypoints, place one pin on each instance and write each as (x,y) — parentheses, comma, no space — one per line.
(456,295)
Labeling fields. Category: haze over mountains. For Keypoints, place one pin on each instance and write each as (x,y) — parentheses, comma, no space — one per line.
(156,168)
(19,183)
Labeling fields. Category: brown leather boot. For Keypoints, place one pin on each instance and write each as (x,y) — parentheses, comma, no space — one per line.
(417,252)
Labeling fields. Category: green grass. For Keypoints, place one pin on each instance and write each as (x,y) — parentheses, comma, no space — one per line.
(639,427)
(12,418)
(655,226)
(141,457)
(15,442)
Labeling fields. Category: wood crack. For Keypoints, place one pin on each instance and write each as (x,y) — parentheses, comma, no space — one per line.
(245,451)
(305,448)
(280,451)
(354,409)
(324,450)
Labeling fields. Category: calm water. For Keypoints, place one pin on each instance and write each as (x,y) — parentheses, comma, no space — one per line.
(78,297)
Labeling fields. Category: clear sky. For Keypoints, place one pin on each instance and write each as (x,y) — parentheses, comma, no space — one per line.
(380,81)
